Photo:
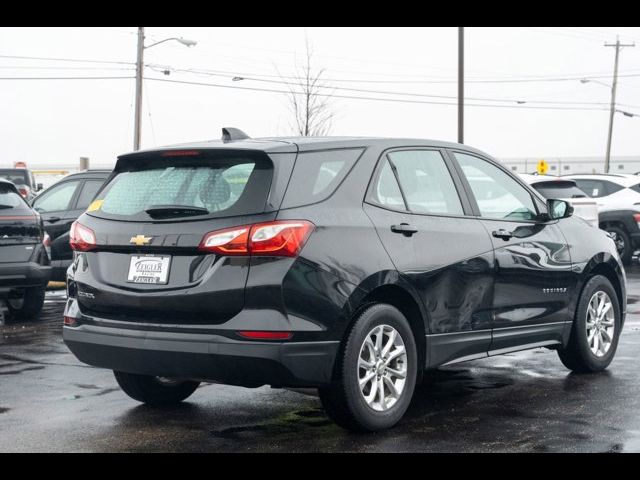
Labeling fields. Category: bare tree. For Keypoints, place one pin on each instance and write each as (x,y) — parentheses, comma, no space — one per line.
(309,99)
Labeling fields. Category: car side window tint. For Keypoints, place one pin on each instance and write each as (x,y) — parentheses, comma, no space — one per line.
(57,198)
(497,194)
(596,188)
(635,188)
(316,175)
(426,182)
(386,191)
(89,190)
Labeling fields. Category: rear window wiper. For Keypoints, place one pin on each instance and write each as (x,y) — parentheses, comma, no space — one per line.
(168,211)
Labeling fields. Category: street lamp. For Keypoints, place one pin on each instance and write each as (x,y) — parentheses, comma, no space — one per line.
(139,75)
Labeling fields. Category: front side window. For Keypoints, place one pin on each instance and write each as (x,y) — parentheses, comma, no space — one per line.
(497,194)
(57,198)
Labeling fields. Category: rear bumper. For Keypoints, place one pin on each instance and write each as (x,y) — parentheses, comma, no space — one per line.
(22,275)
(204,356)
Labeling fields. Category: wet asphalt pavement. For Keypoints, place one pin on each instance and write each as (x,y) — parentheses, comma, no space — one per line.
(523,402)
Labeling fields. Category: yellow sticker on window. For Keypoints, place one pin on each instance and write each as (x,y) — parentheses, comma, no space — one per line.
(95,205)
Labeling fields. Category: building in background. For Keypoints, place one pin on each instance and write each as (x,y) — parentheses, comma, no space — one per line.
(573,165)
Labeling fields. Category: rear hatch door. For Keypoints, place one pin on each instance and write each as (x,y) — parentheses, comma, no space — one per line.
(149,221)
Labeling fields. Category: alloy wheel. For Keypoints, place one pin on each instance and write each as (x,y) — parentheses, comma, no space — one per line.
(382,368)
(600,323)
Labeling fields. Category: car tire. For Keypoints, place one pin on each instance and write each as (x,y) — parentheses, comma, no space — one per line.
(623,243)
(155,390)
(29,305)
(579,355)
(363,355)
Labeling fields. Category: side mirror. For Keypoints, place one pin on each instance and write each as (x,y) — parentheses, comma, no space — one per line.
(558,209)
(38,187)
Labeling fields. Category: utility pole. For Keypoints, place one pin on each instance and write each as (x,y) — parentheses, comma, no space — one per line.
(460,84)
(138,107)
(618,46)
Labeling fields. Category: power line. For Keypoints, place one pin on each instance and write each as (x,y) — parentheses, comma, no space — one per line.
(55,59)
(66,78)
(356,97)
(383,92)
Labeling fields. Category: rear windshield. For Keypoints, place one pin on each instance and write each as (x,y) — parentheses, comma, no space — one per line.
(558,189)
(10,200)
(18,177)
(170,188)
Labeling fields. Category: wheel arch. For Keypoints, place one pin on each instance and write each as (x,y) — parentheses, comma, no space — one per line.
(398,295)
(608,268)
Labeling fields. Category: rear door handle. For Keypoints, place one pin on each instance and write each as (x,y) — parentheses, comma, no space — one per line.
(404,228)
(503,234)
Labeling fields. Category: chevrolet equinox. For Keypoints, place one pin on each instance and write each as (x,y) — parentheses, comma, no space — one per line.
(350,265)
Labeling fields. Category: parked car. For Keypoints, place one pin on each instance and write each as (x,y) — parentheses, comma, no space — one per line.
(351,265)
(60,205)
(611,191)
(618,198)
(24,180)
(24,260)
(565,189)
(624,227)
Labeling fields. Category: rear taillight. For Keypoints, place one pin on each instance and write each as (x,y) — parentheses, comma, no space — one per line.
(81,238)
(24,191)
(636,217)
(283,238)
(69,321)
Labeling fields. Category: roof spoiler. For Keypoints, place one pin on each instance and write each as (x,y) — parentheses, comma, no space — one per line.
(233,134)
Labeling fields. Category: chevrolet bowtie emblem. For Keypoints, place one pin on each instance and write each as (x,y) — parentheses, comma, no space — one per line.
(140,240)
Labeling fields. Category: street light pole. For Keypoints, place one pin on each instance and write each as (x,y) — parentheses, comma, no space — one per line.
(139,75)
(138,107)
(460,84)
(617,45)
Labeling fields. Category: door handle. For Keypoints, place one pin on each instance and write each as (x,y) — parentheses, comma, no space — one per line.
(404,228)
(53,219)
(503,234)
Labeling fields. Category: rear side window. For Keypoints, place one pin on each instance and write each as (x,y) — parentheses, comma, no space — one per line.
(597,188)
(89,190)
(316,175)
(11,200)
(221,185)
(559,189)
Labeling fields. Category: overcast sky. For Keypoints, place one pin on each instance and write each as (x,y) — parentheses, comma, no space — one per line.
(53,122)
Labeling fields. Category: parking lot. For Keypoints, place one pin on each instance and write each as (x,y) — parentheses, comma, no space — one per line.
(521,402)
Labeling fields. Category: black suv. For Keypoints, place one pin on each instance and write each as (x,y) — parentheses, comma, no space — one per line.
(24,260)
(347,264)
(60,205)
